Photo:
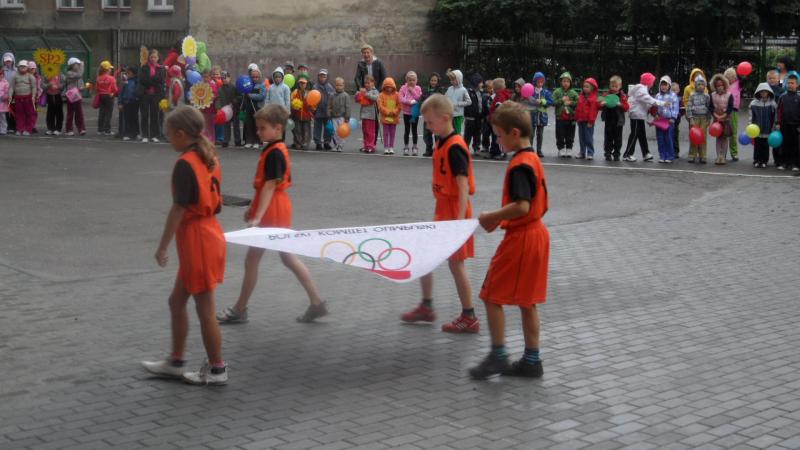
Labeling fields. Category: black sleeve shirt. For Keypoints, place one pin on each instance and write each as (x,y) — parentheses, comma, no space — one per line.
(522,183)
(275,166)
(459,161)
(185,191)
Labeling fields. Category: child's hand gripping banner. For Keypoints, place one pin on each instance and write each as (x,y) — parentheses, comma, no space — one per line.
(401,253)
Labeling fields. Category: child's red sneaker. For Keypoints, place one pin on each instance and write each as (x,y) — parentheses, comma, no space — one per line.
(462,324)
(419,314)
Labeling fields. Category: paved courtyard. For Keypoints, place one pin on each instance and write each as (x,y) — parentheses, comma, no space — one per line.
(671,322)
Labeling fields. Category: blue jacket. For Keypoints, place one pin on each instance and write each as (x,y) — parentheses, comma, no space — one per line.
(128,94)
(257,95)
(327,92)
(539,113)
(762,113)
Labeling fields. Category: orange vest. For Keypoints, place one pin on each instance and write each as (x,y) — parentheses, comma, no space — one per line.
(444,182)
(209,198)
(258,181)
(539,203)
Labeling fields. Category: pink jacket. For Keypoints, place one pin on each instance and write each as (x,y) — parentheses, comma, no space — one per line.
(407,96)
(4,88)
(736,90)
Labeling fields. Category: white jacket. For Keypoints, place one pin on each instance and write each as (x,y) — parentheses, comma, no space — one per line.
(458,95)
(640,102)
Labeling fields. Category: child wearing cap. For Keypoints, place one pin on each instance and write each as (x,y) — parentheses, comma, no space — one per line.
(72,91)
(106,88)
(322,133)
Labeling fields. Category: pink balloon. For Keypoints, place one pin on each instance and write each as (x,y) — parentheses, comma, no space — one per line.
(744,69)
(527,90)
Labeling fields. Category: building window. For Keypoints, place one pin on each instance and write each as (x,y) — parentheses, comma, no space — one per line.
(12,4)
(116,4)
(69,4)
(160,5)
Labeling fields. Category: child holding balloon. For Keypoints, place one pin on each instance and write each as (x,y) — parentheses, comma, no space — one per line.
(762,113)
(614,106)
(722,103)
(302,114)
(698,113)
(788,120)
(339,112)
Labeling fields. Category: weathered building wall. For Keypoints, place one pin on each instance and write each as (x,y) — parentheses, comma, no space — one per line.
(321,33)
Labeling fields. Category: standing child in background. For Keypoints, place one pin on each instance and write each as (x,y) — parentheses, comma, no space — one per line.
(698,113)
(736,92)
(640,103)
(517,274)
(666,153)
(129,102)
(453,183)
(433,88)
(192,220)
(774,81)
(106,88)
(542,99)
(487,137)
(367,97)
(501,95)
(410,94)
(33,70)
(72,91)
(762,113)
(389,107)
(676,89)
(722,103)
(322,133)
(279,93)
(5,87)
(23,91)
(252,102)
(272,207)
(472,115)
(788,122)
(339,112)
(302,114)
(54,90)
(565,100)
(459,97)
(586,115)
(227,96)
(176,95)
(210,112)
(9,72)
(518,90)
(614,119)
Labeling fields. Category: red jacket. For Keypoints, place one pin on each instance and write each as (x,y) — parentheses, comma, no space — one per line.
(106,85)
(500,97)
(588,105)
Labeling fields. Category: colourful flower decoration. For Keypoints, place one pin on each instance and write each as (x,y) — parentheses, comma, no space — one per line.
(201,95)
(189,47)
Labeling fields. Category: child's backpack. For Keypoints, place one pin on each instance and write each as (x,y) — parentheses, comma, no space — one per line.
(472,110)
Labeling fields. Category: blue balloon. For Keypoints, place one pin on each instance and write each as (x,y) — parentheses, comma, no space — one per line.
(193,77)
(744,139)
(329,127)
(775,139)
(353,123)
(244,84)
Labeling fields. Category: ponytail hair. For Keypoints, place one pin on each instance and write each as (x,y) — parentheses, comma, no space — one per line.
(190,121)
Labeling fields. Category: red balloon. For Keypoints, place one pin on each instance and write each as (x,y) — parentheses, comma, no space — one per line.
(715,129)
(744,69)
(220,119)
(696,135)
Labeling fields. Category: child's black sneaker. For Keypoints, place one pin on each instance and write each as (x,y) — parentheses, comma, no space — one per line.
(523,368)
(491,365)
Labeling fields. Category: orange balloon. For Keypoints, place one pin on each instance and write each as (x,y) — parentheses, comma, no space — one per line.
(313,98)
(344,130)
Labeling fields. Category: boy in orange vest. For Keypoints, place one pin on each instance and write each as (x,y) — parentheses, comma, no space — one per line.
(453,183)
(517,274)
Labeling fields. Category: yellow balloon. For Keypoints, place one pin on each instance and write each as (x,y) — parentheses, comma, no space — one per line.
(752,130)
(163,104)
(297,103)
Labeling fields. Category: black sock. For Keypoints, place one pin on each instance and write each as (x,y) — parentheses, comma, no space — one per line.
(469,312)
(427,302)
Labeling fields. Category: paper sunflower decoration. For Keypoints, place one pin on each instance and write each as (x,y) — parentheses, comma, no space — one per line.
(143,55)
(50,70)
(201,95)
(189,47)
(49,61)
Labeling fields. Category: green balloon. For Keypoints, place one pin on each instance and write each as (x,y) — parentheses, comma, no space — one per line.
(289,80)
(612,101)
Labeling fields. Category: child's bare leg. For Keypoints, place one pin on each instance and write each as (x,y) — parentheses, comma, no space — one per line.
(179,319)
(293,263)
(251,262)
(209,328)
(530,326)
(497,323)
(427,286)
(459,271)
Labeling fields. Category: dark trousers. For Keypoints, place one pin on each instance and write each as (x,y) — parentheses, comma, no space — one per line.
(410,127)
(538,130)
(612,139)
(472,132)
(130,121)
(565,134)
(250,129)
(104,115)
(789,148)
(321,131)
(675,135)
(427,137)
(151,128)
(638,132)
(760,150)
(233,124)
(55,112)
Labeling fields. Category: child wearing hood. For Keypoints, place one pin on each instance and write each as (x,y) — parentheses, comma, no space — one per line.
(666,152)
(339,112)
(279,93)
(410,94)
(565,99)
(389,108)
(251,103)
(433,88)
(762,113)
(541,99)
(722,104)
(736,91)
(586,115)
(24,91)
(459,97)
(4,90)
(788,121)
(614,119)
(640,102)
(698,113)
(9,72)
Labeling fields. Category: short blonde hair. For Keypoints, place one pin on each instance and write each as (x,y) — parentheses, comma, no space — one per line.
(730,73)
(499,83)
(510,115)
(273,114)
(367,46)
(338,79)
(437,104)
(615,79)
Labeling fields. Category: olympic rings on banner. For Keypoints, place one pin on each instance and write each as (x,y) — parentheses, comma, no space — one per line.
(388,244)
(390,250)
(351,255)
(361,254)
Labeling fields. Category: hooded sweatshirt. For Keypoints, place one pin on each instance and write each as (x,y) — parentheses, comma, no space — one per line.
(10,71)
(279,93)
(689,89)
(564,112)
(762,112)
(722,103)
(588,105)
(74,76)
(389,104)
(4,90)
(327,91)
(671,111)
(641,101)
(698,105)
(458,94)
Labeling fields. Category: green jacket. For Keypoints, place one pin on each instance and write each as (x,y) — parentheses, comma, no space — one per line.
(558,102)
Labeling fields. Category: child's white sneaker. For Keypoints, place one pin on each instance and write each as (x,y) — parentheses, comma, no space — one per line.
(155,140)
(406,152)
(56,133)
(589,157)
(630,158)
(391,151)
(126,138)
(207,375)
(414,151)
(164,368)
(386,151)
(145,140)
(25,133)
(48,132)
(70,133)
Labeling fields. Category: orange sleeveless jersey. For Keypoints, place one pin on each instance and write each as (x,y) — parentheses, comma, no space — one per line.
(445,190)
(279,212)
(199,239)
(517,274)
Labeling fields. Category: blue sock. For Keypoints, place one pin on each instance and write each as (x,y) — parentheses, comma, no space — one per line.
(531,355)
(499,352)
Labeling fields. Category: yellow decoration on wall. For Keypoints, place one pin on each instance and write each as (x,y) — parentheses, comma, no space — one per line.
(49,61)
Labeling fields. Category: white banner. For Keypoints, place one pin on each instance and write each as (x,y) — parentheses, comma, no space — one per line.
(401,253)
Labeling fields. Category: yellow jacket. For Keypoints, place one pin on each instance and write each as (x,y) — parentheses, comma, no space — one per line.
(689,89)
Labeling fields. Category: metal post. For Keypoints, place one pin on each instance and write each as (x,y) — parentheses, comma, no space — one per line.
(119,34)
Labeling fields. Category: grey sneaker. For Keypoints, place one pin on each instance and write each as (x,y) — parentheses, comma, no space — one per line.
(313,312)
(165,368)
(207,375)
(230,315)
